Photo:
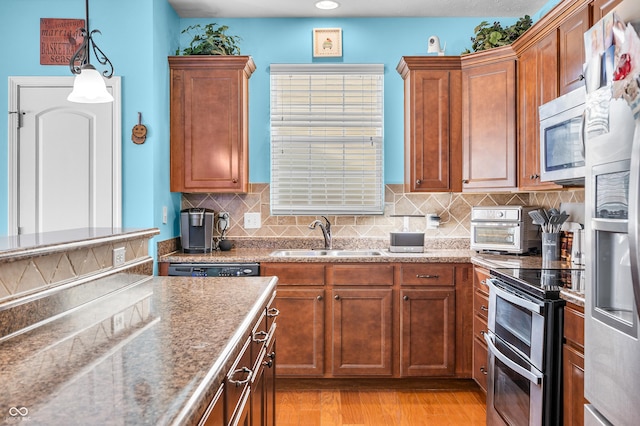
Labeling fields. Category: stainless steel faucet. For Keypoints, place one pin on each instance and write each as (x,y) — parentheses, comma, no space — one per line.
(326,231)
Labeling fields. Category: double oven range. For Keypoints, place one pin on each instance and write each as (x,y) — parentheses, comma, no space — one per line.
(524,340)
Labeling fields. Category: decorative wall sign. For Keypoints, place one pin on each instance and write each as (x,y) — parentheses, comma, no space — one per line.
(59,40)
(327,42)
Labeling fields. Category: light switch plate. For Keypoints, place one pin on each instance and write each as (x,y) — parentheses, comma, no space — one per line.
(252,220)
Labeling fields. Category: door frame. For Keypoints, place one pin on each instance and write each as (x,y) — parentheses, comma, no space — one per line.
(15,83)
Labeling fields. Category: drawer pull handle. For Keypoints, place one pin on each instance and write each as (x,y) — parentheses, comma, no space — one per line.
(271,357)
(273,312)
(484,308)
(428,276)
(483,282)
(483,370)
(319,297)
(482,332)
(260,339)
(268,364)
(405,298)
(245,380)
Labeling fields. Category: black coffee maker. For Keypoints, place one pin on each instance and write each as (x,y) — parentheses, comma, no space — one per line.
(196,230)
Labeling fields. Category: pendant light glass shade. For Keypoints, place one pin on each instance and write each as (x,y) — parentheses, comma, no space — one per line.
(89,87)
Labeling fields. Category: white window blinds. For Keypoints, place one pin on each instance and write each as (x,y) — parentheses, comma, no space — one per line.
(326,139)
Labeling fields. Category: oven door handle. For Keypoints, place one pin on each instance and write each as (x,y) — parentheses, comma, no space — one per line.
(535,378)
(519,301)
(500,224)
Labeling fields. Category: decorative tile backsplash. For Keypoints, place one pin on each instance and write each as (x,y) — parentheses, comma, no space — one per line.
(454,210)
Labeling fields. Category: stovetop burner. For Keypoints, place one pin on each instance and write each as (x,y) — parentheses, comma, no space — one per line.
(541,283)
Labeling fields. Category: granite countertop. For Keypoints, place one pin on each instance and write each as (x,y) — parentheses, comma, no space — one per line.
(29,245)
(150,354)
(265,255)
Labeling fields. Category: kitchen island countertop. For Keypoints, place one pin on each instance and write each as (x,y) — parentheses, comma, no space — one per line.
(152,353)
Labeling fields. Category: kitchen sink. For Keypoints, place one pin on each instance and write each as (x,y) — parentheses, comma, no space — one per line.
(327,253)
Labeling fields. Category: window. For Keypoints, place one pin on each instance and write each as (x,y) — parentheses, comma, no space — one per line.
(326,139)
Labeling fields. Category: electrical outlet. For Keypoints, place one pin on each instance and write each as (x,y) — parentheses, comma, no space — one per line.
(164,215)
(224,221)
(252,220)
(119,256)
(117,323)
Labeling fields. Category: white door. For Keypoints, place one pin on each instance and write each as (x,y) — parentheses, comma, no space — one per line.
(65,157)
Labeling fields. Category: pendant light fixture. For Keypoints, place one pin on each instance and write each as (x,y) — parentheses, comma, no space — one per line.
(89,86)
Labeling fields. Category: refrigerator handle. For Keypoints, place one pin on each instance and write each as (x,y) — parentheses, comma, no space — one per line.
(634,215)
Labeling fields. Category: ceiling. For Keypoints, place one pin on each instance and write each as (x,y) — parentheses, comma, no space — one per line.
(354,8)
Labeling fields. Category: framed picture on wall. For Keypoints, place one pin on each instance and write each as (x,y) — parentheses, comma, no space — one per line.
(327,42)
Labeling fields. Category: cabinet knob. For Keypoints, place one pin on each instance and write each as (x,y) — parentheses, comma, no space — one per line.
(581,77)
(536,176)
(337,297)
(483,370)
(234,180)
(484,308)
(465,181)
(405,298)
(319,297)
(532,177)
(418,182)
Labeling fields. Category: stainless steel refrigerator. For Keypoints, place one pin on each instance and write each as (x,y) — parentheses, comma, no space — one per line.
(612,290)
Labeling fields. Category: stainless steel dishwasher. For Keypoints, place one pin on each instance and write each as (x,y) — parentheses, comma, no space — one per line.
(214,269)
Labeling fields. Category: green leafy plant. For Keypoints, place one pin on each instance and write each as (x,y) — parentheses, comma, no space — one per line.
(211,40)
(490,36)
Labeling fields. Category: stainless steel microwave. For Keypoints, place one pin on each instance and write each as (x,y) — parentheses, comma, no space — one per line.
(562,122)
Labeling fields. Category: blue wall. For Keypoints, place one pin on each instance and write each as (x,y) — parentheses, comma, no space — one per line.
(138,36)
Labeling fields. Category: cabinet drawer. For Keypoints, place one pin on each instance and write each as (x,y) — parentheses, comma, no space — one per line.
(480,304)
(479,327)
(295,273)
(480,364)
(237,383)
(574,325)
(480,279)
(362,274)
(428,274)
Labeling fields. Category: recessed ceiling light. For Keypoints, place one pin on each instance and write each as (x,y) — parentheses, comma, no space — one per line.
(327,4)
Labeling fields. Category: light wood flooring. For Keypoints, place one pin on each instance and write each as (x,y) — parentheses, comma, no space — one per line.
(310,403)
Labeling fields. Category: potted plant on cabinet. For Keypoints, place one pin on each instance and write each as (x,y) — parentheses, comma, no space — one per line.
(211,39)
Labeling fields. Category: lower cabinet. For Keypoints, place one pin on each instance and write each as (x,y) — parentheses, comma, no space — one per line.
(247,395)
(480,311)
(361,332)
(381,319)
(573,366)
(427,332)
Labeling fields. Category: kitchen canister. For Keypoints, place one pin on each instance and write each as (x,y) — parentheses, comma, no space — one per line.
(550,246)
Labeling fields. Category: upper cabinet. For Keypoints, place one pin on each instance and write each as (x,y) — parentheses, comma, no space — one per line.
(489,120)
(432,96)
(209,123)
(571,49)
(602,7)
(537,84)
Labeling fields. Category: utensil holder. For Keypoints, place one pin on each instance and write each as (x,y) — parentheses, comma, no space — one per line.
(550,246)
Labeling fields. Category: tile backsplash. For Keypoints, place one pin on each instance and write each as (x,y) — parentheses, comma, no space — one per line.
(454,210)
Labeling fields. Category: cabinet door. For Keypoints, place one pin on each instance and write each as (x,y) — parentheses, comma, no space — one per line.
(602,7)
(427,332)
(480,363)
(488,126)
(209,123)
(571,36)
(300,331)
(429,159)
(573,386)
(432,97)
(361,332)
(537,84)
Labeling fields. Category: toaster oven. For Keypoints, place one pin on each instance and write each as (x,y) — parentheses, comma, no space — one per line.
(504,229)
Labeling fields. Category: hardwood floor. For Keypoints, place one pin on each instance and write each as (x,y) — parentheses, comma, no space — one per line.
(310,403)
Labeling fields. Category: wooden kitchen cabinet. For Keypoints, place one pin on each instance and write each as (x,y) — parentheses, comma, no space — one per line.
(427,332)
(214,416)
(480,311)
(489,120)
(361,332)
(301,323)
(432,100)
(573,366)
(602,7)
(537,84)
(571,49)
(209,123)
